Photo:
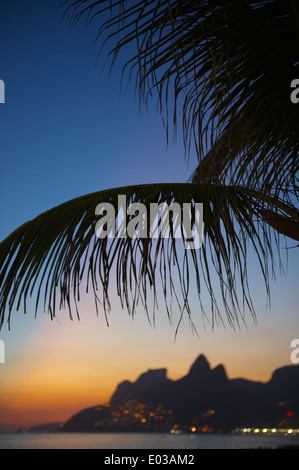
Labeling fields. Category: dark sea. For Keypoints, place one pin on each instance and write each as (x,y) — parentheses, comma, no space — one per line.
(142,441)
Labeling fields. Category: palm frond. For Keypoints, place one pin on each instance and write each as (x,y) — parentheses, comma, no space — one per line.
(285,225)
(227,65)
(57,254)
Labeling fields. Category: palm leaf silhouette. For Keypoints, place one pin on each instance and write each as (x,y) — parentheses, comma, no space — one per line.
(226,67)
(58,253)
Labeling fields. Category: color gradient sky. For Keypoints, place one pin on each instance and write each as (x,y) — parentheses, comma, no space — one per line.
(66,130)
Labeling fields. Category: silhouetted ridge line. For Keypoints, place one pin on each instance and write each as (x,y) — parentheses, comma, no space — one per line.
(204,399)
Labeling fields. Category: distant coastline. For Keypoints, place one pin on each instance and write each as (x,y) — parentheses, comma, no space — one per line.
(143,441)
(203,401)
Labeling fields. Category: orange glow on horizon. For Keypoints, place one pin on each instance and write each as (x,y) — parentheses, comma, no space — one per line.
(66,367)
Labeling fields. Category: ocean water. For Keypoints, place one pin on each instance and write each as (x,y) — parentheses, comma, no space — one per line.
(142,441)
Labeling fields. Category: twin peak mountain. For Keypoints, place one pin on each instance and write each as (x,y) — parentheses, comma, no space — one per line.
(204,396)
(154,383)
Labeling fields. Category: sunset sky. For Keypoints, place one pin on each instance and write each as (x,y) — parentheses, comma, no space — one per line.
(66,130)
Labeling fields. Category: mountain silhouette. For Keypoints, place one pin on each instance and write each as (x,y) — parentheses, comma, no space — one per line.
(149,379)
(203,394)
(281,390)
(282,386)
(204,397)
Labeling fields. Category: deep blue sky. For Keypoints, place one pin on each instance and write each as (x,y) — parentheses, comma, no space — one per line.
(67,131)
